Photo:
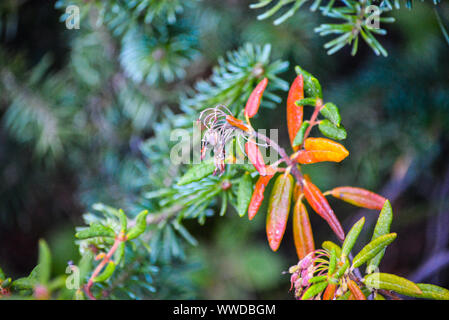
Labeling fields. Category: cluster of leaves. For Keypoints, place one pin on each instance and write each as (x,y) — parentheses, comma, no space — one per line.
(330,273)
(361,18)
(168,202)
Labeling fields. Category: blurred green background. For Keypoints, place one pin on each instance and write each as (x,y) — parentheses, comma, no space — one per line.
(67,142)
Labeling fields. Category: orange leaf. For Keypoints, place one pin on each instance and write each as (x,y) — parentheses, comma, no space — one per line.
(294,112)
(297,191)
(329,293)
(319,203)
(278,209)
(258,195)
(255,156)
(302,230)
(236,123)
(253,103)
(359,197)
(321,149)
(355,290)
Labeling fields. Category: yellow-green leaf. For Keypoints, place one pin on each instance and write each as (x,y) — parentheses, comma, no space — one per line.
(329,246)
(352,236)
(139,227)
(314,290)
(393,282)
(372,248)
(430,291)
(107,273)
(382,227)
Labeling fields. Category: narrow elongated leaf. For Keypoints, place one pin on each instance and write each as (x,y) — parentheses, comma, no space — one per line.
(382,227)
(329,246)
(355,290)
(197,172)
(120,253)
(255,156)
(329,293)
(393,282)
(278,209)
(430,291)
(359,197)
(244,194)
(320,205)
(44,262)
(253,103)
(107,272)
(372,248)
(139,227)
(332,262)
(341,268)
(302,230)
(332,131)
(95,230)
(352,236)
(317,279)
(294,111)
(258,195)
(314,290)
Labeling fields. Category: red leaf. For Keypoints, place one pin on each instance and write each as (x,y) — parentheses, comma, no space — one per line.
(253,103)
(294,112)
(255,156)
(319,203)
(359,197)
(302,230)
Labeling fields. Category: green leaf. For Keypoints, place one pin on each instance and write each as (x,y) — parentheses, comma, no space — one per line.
(393,282)
(95,230)
(382,227)
(123,220)
(341,269)
(330,111)
(314,290)
(197,172)
(244,194)
(332,261)
(299,139)
(224,203)
(329,246)
(107,272)
(44,262)
(351,237)
(119,253)
(312,87)
(317,279)
(328,129)
(139,227)
(430,291)
(372,248)
(2,274)
(306,102)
